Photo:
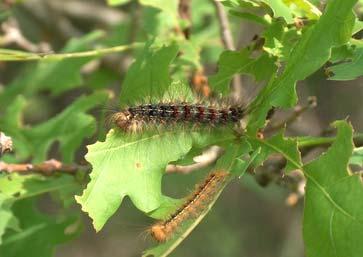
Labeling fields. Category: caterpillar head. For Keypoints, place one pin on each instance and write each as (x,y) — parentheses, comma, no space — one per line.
(158,232)
(126,121)
(122,120)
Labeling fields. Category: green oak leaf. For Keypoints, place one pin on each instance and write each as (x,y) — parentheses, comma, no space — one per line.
(148,76)
(333,213)
(170,6)
(279,40)
(158,24)
(341,53)
(39,233)
(239,62)
(15,187)
(280,9)
(357,157)
(56,76)
(307,56)
(349,70)
(303,8)
(117,2)
(233,159)
(287,147)
(358,26)
(129,164)
(70,128)
(132,165)
(250,17)
(7,219)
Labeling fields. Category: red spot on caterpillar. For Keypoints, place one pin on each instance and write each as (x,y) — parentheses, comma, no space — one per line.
(193,207)
(187,113)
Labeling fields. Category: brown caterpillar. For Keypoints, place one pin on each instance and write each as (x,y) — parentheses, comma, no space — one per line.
(133,118)
(194,206)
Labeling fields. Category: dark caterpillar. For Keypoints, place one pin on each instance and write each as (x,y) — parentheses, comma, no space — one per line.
(132,118)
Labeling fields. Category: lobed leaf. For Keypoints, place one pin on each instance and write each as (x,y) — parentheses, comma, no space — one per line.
(333,213)
(148,76)
(171,6)
(280,9)
(39,233)
(129,165)
(287,147)
(239,62)
(70,128)
(309,54)
(349,70)
(14,187)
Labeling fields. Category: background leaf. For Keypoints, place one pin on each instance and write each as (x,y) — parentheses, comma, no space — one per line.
(56,76)
(14,187)
(333,213)
(357,157)
(239,62)
(70,128)
(39,233)
(307,56)
(148,76)
(349,70)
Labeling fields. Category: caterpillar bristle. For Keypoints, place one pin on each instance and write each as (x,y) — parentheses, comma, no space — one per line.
(194,205)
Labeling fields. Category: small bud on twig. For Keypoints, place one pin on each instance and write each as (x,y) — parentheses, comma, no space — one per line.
(6,144)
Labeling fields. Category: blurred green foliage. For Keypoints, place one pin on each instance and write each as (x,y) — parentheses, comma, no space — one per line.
(63,67)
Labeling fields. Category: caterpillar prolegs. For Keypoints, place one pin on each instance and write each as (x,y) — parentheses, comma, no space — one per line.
(136,117)
(193,206)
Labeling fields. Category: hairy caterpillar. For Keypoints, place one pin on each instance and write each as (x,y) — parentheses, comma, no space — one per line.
(194,206)
(133,118)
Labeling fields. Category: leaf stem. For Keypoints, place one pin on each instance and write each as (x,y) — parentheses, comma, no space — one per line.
(24,56)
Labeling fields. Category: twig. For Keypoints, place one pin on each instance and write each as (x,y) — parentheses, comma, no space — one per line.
(16,56)
(204,160)
(89,11)
(185,14)
(297,113)
(13,35)
(47,168)
(271,171)
(136,15)
(228,43)
(226,34)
